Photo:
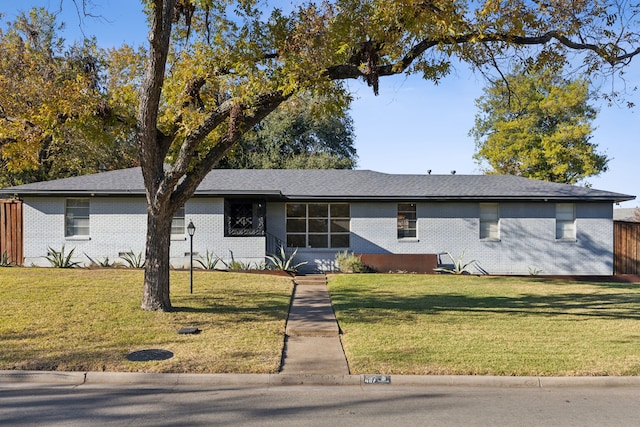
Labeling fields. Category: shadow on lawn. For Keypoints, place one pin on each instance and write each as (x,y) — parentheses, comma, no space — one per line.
(359,305)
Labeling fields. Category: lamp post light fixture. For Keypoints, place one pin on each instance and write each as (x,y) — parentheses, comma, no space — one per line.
(191,229)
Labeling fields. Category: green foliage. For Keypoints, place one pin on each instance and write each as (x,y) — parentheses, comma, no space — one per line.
(300,135)
(538,125)
(458,266)
(235,265)
(59,259)
(132,260)
(209,261)
(350,263)
(5,261)
(284,262)
(105,263)
(56,119)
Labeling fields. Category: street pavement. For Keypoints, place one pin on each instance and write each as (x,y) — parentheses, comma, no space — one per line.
(30,404)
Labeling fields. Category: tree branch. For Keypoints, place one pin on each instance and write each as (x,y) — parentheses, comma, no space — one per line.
(353,71)
(264,105)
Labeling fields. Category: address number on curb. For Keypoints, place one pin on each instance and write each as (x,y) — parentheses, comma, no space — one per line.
(377,379)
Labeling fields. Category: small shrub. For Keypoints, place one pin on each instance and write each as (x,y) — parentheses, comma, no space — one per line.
(283,262)
(132,260)
(350,263)
(58,259)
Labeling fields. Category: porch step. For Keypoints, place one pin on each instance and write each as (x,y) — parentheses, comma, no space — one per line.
(310,279)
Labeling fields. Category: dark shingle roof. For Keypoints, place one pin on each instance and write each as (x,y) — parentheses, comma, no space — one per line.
(331,185)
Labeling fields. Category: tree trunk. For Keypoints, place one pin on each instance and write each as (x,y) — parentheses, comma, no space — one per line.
(156,269)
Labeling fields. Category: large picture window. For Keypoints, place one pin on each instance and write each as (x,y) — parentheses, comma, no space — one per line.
(489,221)
(565,221)
(407,223)
(76,218)
(318,225)
(244,217)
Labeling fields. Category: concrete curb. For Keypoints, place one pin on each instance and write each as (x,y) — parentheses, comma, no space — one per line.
(277,380)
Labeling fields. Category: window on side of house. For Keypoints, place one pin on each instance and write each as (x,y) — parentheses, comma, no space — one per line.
(565,221)
(244,217)
(76,218)
(489,221)
(407,221)
(318,225)
(177,223)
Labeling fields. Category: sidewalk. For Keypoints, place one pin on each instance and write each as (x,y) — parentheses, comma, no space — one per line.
(312,341)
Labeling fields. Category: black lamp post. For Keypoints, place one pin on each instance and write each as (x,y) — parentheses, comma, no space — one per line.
(191,229)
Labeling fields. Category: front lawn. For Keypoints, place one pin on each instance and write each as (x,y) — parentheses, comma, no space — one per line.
(90,320)
(442,324)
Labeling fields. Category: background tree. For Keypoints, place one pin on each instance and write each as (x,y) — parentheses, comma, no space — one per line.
(300,135)
(215,69)
(537,125)
(55,119)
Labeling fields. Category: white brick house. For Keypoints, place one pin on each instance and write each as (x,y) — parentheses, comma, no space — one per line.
(510,225)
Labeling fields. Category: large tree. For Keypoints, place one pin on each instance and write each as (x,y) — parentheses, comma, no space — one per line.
(55,118)
(537,125)
(215,69)
(300,135)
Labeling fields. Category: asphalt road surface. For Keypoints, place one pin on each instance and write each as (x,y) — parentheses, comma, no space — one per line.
(28,404)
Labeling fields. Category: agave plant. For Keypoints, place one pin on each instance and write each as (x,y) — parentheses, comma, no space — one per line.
(133,260)
(105,263)
(58,259)
(458,266)
(209,261)
(283,262)
(5,261)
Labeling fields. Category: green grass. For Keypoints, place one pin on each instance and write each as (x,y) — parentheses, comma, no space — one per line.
(90,320)
(442,324)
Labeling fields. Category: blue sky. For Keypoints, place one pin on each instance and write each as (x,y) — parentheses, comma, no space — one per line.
(413,125)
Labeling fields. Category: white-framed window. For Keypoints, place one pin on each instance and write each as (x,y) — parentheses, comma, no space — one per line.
(318,225)
(489,221)
(76,218)
(177,223)
(565,221)
(407,221)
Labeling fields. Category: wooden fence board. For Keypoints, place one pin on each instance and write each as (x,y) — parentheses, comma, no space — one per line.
(626,247)
(11,235)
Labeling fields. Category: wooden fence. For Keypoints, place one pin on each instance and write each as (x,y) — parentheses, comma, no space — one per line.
(626,247)
(11,231)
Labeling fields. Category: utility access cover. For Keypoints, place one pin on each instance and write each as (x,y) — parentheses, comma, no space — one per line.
(149,355)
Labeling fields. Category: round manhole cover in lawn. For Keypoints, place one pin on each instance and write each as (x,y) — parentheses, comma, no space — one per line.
(148,355)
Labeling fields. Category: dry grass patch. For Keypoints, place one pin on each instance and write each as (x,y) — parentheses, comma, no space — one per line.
(440,324)
(90,320)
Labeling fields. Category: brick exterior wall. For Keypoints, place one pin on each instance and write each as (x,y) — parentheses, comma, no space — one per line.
(527,234)
(119,225)
(527,237)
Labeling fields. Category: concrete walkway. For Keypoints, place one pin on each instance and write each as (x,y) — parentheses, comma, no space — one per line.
(312,342)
